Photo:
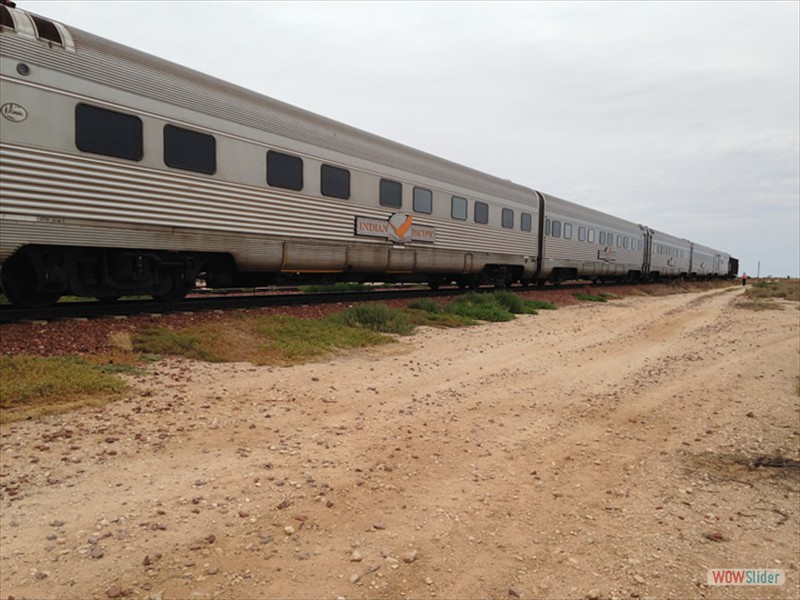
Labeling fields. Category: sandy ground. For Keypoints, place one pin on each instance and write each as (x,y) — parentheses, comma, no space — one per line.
(597,451)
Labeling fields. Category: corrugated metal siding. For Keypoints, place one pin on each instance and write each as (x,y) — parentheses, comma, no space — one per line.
(107,63)
(49,185)
(583,256)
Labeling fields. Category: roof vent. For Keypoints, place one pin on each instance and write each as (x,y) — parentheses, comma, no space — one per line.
(5,18)
(46,30)
(33,27)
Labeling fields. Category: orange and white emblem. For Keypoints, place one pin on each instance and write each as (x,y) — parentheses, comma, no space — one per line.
(400,227)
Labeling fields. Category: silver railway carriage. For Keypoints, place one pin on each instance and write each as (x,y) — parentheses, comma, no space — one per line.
(584,243)
(123,174)
(669,256)
(707,262)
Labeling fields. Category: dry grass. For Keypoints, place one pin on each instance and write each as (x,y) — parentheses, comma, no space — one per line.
(35,386)
(785,289)
(765,294)
(276,340)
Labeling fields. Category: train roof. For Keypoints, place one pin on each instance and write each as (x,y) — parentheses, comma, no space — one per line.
(578,210)
(105,62)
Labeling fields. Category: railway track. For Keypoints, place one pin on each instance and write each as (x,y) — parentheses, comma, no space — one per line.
(210,300)
(223,301)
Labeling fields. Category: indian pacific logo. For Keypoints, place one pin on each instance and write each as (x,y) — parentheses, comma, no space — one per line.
(398,228)
(14,112)
(607,255)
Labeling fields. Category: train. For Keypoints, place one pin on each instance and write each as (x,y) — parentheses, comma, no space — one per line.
(125,174)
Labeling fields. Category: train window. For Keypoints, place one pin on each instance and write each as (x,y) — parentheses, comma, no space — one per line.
(556,228)
(619,241)
(47,31)
(481,212)
(423,200)
(284,170)
(547,226)
(391,193)
(507,218)
(602,239)
(567,231)
(458,208)
(335,182)
(108,132)
(625,243)
(525,222)
(581,234)
(591,235)
(641,245)
(189,150)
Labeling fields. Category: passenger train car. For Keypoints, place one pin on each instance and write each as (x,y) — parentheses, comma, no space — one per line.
(121,173)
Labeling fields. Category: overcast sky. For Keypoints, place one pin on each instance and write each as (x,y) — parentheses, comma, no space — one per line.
(679,115)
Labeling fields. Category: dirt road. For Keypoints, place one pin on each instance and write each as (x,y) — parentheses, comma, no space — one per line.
(597,451)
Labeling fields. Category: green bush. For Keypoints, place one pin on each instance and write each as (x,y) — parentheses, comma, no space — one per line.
(592,297)
(427,305)
(540,305)
(481,307)
(378,317)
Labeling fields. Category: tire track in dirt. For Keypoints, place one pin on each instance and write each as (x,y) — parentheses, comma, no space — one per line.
(573,452)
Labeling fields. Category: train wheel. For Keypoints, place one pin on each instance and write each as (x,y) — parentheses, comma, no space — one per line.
(174,292)
(19,284)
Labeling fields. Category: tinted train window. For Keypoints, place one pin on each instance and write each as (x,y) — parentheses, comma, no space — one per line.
(567,231)
(391,193)
(602,239)
(189,150)
(547,226)
(591,235)
(458,208)
(581,234)
(556,228)
(625,243)
(481,212)
(423,200)
(335,182)
(619,241)
(108,132)
(525,222)
(508,218)
(284,170)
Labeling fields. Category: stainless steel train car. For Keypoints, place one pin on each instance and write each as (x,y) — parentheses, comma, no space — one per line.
(121,173)
(584,243)
(669,256)
(707,262)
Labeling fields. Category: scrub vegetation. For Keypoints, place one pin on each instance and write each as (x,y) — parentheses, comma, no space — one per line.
(594,297)
(763,294)
(34,386)
(784,289)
